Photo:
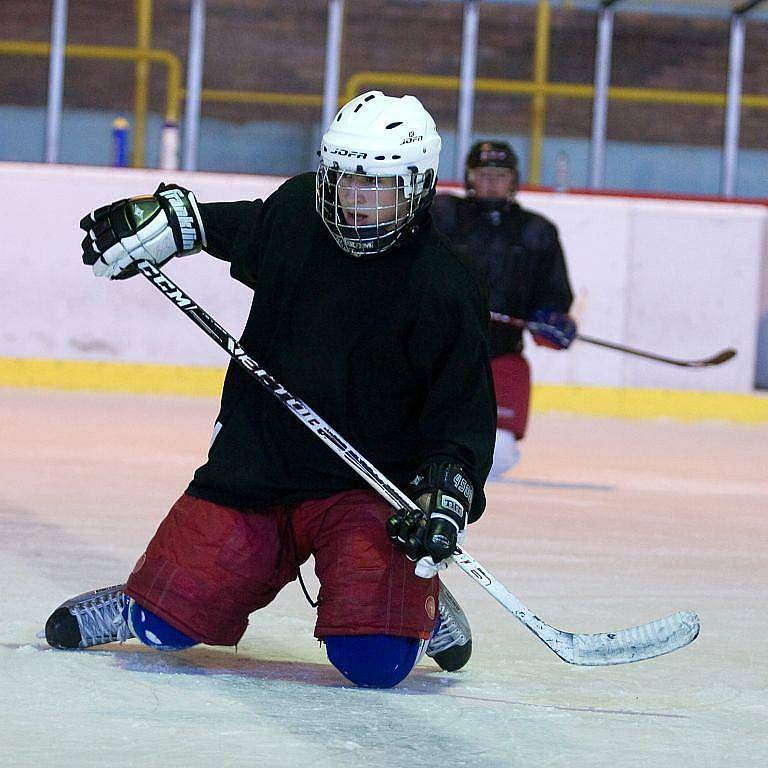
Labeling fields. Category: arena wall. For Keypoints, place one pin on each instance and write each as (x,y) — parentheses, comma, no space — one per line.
(681,278)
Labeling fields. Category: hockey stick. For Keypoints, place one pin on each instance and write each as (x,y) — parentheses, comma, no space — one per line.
(717,359)
(643,642)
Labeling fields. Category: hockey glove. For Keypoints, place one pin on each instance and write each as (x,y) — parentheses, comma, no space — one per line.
(152,227)
(443,493)
(552,329)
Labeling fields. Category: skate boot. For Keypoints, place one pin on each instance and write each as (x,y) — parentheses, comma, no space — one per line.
(451,643)
(93,618)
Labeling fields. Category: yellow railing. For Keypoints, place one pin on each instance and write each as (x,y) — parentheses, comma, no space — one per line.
(362,80)
(370,79)
(143,12)
(167,59)
(261,97)
(540,77)
(539,88)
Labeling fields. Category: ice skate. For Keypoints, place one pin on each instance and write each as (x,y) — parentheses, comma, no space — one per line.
(93,618)
(451,644)
(506,454)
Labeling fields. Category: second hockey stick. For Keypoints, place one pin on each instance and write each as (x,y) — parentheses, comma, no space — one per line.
(635,644)
(717,359)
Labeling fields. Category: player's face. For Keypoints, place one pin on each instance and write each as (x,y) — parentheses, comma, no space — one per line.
(371,201)
(492,183)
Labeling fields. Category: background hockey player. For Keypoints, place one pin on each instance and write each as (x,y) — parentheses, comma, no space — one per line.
(520,255)
(364,311)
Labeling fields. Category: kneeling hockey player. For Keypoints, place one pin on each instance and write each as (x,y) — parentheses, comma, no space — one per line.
(366,312)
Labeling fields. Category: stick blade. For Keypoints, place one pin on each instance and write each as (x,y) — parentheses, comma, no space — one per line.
(720,357)
(636,643)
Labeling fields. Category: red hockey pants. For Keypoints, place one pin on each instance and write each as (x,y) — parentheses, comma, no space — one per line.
(208,567)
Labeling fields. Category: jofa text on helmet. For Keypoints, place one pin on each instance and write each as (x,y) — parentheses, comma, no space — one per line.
(349,153)
(411,138)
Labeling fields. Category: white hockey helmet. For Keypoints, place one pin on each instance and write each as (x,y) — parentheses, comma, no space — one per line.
(378,170)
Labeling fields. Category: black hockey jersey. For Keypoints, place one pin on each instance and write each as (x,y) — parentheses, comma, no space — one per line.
(392,352)
(519,253)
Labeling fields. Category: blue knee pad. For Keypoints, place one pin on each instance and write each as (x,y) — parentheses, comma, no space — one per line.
(154,631)
(373,661)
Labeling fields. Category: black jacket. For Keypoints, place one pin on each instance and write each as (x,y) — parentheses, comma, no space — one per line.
(520,255)
(392,352)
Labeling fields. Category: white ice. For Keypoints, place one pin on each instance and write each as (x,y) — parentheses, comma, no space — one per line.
(603,525)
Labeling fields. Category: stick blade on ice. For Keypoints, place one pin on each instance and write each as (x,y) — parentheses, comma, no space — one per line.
(634,644)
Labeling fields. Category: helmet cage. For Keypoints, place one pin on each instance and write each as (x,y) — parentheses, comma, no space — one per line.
(368,213)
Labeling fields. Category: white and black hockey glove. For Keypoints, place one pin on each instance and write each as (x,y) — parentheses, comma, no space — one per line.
(444,494)
(152,227)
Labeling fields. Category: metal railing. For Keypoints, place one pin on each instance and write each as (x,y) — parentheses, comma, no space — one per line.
(358,82)
(117,53)
(538,89)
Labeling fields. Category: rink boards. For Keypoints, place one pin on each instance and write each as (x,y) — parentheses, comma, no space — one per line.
(680,278)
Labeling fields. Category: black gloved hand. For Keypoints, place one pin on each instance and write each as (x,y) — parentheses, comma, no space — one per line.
(152,227)
(443,493)
(552,329)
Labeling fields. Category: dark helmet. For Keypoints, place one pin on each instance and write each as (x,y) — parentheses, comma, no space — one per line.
(491,154)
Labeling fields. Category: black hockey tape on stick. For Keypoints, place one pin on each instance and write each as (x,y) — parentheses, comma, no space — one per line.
(634,644)
(717,359)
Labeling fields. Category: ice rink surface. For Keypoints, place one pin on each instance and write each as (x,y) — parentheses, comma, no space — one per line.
(604,524)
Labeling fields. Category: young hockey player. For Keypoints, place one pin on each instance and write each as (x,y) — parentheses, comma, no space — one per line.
(364,311)
(520,255)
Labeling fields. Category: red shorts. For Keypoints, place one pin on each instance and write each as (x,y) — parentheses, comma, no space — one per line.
(512,382)
(209,566)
